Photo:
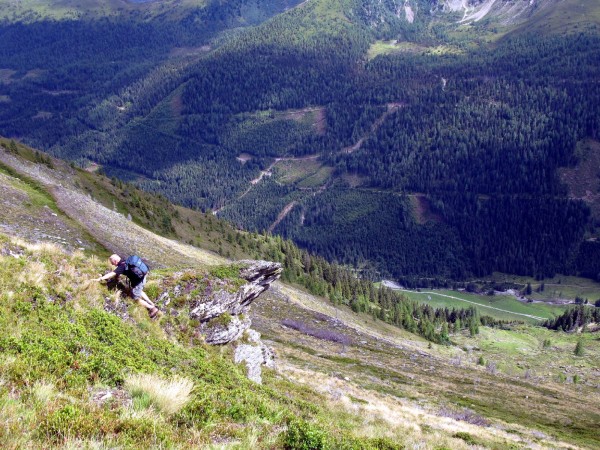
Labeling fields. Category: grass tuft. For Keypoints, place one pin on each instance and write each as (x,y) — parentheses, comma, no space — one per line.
(169,396)
(43,391)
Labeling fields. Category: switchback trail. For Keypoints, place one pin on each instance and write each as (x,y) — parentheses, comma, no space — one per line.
(267,172)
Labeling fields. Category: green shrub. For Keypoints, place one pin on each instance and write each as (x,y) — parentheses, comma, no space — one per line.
(223,320)
(468,438)
(365,443)
(138,432)
(70,421)
(231,271)
(152,290)
(302,435)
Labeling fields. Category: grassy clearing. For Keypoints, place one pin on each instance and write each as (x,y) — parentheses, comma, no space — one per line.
(317,179)
(560,287)
(536,353)
(394,47)
(502,307)
(293,170)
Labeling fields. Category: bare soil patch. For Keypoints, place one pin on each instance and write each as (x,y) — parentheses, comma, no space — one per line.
(177,105)
(284,212)
(422,209)
(244,158)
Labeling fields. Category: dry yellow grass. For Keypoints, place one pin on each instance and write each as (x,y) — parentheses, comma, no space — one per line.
(43,391)
(415,424)
(168,396)
(34,275)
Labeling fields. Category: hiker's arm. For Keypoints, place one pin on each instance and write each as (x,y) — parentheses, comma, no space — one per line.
(108,276)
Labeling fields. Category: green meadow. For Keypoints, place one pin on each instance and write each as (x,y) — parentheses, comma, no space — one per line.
(502,307)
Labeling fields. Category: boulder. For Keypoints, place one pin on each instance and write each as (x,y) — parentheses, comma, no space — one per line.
(255,354)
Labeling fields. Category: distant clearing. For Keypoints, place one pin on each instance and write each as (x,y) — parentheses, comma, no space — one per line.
(182,52)
(305,172)
(317,179)
(502,307)
(244,158)
(559,289)
(422,209)
(177,105)
(395,47)
(294,170)
(314,117)
(354,180)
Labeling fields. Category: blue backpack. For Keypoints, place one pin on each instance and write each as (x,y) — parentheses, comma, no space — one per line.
(135,265)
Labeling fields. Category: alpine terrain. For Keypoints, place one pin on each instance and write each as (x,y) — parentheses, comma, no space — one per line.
(369,224)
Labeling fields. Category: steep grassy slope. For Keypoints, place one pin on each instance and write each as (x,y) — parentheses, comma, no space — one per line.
(74,375)
(70,367)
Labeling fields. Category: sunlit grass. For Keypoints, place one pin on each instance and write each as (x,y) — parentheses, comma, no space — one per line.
(167,395)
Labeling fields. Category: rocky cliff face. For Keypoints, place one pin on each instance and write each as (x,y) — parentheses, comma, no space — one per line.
(505,12)
(218,303)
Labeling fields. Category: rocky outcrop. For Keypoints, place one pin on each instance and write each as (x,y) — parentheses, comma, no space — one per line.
(215,302)
(219,300)
(255,354)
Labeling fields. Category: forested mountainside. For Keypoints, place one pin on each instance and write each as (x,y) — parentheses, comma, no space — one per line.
(416,139)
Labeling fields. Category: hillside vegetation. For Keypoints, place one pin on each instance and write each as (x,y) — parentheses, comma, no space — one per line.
(82,366)
(75,374)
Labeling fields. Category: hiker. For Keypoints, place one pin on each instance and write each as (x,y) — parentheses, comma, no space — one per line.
(137,279)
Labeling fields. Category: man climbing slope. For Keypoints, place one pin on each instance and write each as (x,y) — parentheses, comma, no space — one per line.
(137,272)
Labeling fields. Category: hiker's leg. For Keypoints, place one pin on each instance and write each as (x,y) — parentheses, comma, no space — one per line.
(144,303)
(141,297)
(144,297)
